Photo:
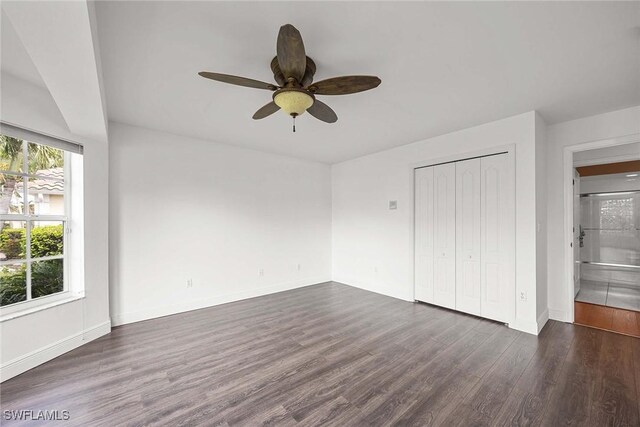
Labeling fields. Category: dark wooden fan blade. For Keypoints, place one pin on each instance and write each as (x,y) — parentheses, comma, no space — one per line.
(322,111)
(265,111)
(344,85)
(310,71)
(237,80)
(290,51)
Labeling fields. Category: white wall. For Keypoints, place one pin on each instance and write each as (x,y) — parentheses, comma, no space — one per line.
(603,126)
(373,246)
(32,339)
(184,208)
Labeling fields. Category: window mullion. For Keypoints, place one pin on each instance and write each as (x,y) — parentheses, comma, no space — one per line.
(25,179)
(28,257)
(26,212)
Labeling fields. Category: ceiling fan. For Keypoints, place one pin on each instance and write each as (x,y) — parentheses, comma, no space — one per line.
(295,91)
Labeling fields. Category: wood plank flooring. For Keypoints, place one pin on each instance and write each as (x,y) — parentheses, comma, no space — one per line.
(334,355)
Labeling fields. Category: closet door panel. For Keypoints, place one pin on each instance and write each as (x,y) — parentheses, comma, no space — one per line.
(497,238)
(468,236)
(424,262)
(444,212)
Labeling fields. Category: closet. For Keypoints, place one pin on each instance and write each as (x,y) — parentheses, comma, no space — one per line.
(464,236)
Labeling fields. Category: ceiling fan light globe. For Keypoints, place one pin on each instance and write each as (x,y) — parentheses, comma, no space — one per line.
(293,102)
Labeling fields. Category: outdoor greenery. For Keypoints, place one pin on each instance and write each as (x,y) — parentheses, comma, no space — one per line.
(46,276)
(11,159)
(12,285)
(45,241)
(46,279)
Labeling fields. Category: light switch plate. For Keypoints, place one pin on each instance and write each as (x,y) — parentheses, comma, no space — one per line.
(393,204)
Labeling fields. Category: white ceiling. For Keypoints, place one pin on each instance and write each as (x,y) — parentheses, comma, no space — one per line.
(444,67)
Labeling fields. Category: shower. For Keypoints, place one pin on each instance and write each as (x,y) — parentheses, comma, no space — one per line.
(609,242)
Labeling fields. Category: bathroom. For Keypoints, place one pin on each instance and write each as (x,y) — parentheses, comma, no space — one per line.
(607,242)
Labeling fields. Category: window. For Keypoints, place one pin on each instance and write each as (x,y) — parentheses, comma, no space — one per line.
(35,208)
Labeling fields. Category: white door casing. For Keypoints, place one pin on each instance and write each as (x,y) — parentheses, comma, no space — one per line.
(576,232)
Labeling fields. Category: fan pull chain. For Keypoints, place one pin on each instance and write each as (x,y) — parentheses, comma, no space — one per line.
(294,123)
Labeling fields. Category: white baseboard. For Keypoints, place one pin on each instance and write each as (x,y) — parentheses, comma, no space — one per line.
(530,327)
(543,319)
(559,315)
(44,354)
(196,304)
(525,326)
(366,287)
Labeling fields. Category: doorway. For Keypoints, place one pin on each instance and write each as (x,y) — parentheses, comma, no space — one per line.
(606,240)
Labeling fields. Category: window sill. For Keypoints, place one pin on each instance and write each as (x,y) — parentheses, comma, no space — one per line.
(40,307)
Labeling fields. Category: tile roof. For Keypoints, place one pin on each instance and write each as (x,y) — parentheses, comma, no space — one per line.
(45,186)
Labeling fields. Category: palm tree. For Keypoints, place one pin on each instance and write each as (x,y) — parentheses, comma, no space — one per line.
(11,157)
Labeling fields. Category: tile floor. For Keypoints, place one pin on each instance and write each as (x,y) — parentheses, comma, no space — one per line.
(610,294)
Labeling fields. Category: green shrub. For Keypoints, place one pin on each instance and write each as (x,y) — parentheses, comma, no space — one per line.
(47,277)
(12,242)
(12,285)
(45,241)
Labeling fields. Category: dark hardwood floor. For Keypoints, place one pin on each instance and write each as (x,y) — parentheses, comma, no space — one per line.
(331,354)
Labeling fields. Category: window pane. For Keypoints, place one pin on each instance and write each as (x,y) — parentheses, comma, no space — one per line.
(45,160)
(47,277)
(11,194)
(13,283)
(12,240)
(47,238)
(46,196)
(10,154)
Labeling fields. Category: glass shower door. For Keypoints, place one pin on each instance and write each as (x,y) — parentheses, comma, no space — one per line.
(610,246)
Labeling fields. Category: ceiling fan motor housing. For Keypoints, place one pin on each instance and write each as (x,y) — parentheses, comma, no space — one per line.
(309,72)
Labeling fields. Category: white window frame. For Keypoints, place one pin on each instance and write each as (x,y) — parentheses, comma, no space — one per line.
(28,218)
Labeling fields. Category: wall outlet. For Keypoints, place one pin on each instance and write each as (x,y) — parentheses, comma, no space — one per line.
(523,296)
(261,272)
(189,283)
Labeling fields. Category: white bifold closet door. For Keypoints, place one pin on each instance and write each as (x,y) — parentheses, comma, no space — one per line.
(444,235)
(497,238)
(424,234)
(464,236)
(468,236)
